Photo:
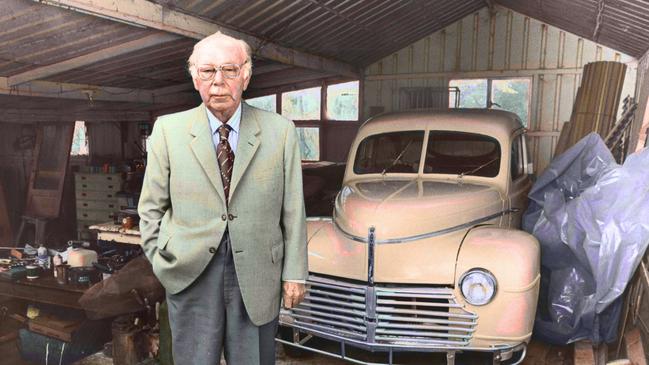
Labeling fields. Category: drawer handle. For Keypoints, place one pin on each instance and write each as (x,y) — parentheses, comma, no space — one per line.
(83,177)
(111,206)
(109,195)
(85,215)
(85,204)
(110,186)
(109,177)
(84,185)
(83,194)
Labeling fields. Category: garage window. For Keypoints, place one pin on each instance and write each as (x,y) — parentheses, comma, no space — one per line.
(511,94)
(79,140)
(268,102)
(342,101)
(302,104)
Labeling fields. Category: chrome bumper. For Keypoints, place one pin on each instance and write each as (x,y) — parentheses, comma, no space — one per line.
(385,319)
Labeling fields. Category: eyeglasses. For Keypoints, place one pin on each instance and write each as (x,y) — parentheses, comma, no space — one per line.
(229,70)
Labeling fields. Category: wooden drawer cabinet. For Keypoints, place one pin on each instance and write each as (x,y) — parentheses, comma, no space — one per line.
(96,199)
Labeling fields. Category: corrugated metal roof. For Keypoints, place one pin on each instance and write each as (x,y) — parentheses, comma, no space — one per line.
(33,35)
(355,31)
(623,24)
(358,32)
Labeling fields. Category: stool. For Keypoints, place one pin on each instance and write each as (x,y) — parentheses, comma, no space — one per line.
(40,226)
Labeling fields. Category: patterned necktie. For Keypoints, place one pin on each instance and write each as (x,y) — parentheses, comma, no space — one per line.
(226,159)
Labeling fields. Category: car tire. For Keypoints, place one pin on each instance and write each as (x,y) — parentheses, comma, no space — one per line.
(286,334)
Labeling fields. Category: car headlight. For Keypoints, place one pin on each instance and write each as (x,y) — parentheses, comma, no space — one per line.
(478,286)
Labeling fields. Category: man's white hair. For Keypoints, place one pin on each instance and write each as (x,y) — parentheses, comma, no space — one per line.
(216,38)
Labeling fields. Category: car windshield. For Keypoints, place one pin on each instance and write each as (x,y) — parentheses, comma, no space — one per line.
(462,154)
(389,153)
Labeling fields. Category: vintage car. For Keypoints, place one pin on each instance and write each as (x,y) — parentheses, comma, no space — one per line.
(423,252)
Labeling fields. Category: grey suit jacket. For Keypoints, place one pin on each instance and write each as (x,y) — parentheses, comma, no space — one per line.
(183,214)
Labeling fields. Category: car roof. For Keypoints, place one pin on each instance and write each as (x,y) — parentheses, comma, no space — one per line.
(497,123)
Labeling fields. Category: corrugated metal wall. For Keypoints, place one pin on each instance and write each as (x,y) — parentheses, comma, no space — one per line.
(499,44)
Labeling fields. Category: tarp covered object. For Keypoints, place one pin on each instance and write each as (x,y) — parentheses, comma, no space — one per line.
(591,217)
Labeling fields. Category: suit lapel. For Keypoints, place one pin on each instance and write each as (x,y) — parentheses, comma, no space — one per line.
(247,145)
(203,148)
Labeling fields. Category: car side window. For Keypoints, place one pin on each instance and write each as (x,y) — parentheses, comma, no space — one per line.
(517,162)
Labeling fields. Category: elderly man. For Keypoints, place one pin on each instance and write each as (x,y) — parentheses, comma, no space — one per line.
(222,214)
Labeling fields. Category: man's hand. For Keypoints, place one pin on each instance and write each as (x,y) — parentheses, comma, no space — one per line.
(293,294)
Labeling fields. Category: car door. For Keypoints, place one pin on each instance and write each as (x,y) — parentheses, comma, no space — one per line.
(520,182)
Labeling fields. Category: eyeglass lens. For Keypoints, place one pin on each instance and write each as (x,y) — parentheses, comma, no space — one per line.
(229,71)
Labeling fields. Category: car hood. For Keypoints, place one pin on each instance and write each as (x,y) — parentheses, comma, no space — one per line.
(419,227)
(404,208)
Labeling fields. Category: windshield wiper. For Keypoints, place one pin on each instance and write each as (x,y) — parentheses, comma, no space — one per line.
(461,175)
(394,162)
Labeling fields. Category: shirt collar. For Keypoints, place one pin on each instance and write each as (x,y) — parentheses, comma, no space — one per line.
(233,122)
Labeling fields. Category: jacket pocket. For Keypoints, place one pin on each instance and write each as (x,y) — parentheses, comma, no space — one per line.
(162,243)
(277,253)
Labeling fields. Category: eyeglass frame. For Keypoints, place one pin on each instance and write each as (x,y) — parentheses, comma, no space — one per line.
(220,68)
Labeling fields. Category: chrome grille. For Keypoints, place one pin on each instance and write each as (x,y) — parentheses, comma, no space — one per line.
(422,315)
(332,306)
(383,315)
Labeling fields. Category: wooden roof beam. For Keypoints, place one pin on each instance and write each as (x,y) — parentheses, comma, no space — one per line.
(90,58)
(144,13)
(61,90)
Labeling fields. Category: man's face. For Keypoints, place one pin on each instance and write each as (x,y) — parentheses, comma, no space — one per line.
(221,95)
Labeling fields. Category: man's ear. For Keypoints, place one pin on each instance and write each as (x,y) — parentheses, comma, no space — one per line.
(195,81)
(246,78)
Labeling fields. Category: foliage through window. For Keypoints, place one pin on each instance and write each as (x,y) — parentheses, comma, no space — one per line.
(342,101)
(473,93)
(302,104)
(511,94)
(79,140)
(309,140)
(268,102)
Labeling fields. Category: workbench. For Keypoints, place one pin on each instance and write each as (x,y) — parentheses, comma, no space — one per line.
(43,290)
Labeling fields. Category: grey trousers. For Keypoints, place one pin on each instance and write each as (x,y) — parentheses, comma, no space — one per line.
(209,317)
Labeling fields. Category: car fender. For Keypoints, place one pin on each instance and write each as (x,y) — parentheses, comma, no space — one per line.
(513,258)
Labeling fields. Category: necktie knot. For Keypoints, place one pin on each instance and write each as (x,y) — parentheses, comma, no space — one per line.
(224,132)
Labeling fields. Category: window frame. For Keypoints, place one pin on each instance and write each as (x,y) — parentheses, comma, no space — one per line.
(323,123)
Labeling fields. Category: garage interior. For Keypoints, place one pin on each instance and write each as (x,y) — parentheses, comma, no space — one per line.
(83,81)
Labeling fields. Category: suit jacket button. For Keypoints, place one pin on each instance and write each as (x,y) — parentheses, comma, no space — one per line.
(230,217)
(224,217)
(212,250)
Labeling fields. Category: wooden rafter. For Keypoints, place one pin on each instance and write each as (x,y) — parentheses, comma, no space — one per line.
(91,93)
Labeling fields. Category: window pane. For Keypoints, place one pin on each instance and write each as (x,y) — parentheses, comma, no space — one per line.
(268,102)
(473,93)
(79,140)
(512,95)
(342,101)
(389,152)
(309,139)
(302,104)
(462,153)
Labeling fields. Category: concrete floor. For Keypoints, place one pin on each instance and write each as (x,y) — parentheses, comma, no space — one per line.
(538,354)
